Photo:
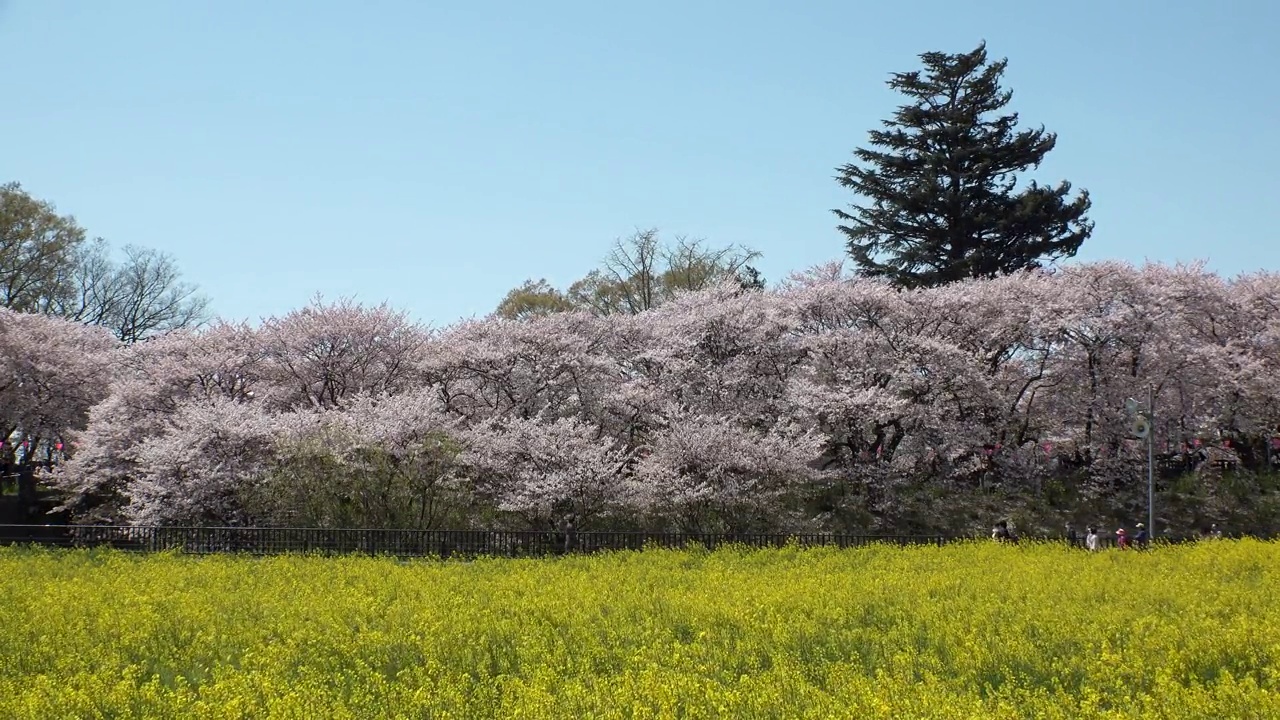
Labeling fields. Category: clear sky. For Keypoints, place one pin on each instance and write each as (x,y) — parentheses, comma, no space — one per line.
(437,154)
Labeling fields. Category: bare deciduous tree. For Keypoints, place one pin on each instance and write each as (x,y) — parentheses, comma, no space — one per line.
(149,296)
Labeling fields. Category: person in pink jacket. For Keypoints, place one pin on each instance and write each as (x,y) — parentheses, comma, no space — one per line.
(1122,540)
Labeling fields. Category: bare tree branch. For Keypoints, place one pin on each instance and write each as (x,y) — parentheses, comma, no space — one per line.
(151,298)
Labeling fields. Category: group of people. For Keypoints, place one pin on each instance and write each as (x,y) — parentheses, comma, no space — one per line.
(1141,540)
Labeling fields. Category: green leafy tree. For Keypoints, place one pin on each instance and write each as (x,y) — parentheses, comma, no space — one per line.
(533,299)
(639,273)
(38,252)
(313,485)
(938,191)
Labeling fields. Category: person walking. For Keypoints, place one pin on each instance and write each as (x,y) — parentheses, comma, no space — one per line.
(1142,540)
(1122,540)
(1072,538)
(1091,539)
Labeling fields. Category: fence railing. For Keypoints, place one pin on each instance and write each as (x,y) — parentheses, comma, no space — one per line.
(443,543)
(412,543)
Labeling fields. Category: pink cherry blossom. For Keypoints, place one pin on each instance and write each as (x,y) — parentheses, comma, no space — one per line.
(721,408)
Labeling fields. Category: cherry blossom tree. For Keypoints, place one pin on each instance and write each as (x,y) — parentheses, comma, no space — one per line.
(323,354)
(725,351)
(833,402)
(195,471)
(495,368)
(710,473)
(151,382)
(52,372)
(547,473)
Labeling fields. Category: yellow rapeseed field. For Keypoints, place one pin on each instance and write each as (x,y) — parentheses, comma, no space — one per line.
(963,631)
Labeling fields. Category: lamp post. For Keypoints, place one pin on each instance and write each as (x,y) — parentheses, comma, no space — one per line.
(1151,464)
(1143,422)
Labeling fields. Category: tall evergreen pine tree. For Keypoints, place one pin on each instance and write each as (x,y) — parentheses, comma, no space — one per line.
(938,187)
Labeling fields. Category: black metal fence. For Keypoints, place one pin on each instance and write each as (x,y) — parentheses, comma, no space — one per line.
(411,543)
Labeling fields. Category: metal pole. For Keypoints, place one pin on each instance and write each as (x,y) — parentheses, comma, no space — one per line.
(1151,483)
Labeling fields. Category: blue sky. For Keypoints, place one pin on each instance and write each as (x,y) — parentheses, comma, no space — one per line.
(437,154)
